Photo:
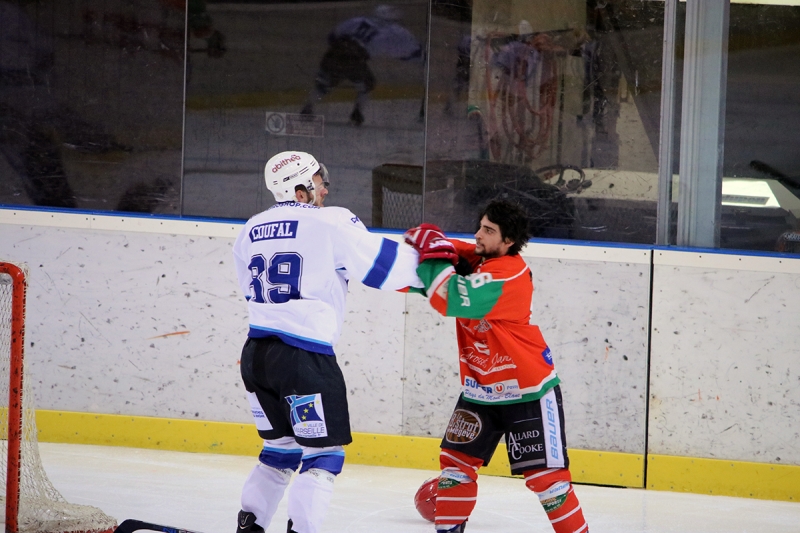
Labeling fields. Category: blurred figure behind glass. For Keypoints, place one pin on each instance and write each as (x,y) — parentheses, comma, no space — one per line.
(27,110)
(350,46)
(34,126)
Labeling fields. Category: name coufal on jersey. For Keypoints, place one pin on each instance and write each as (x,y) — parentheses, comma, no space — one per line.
(281,229)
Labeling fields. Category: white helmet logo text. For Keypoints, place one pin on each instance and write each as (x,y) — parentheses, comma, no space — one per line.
(283,162)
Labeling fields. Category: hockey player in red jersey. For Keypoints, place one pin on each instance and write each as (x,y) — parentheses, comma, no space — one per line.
(509,384)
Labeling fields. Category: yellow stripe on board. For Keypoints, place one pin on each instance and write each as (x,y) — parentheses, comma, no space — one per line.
(148,432)
(602,468)
(723,478)
(605,468)
(680,474)
(393,450)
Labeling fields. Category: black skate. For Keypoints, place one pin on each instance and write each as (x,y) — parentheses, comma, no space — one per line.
(247,523)
(356,118)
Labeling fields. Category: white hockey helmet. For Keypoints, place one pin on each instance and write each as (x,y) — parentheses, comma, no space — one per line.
(287,170)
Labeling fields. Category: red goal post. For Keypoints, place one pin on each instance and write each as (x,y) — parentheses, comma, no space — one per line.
(16,343)
(31,503)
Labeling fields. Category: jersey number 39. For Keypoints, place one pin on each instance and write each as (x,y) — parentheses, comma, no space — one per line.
(282,283)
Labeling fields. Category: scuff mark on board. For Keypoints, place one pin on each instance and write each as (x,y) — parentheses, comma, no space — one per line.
(165,335)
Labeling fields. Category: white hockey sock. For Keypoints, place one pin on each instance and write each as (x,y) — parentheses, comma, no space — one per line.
(309,498)
(263,491)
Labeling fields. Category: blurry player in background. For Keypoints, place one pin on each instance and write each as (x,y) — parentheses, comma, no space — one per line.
(460,83)
(35,127)
(293,263)
(351,44)
(201,26)
(510,386)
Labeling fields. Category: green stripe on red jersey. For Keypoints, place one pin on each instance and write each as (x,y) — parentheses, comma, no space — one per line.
(472,296)
(429,270)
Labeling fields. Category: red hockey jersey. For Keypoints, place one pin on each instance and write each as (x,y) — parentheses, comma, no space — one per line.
(503,358)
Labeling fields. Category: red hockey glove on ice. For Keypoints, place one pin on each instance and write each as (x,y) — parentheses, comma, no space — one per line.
(431,243)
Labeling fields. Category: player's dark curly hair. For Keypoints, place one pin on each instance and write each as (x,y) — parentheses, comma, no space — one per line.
(512,220)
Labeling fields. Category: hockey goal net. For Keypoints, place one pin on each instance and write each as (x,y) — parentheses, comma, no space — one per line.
(30,502)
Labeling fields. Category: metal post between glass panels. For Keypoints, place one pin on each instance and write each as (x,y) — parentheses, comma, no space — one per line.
(665,160)
(703,122)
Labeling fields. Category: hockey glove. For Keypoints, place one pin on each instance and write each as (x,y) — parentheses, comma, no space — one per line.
(430,242)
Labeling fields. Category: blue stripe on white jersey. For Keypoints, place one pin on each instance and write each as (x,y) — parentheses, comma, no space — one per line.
(310,345)
(382,266)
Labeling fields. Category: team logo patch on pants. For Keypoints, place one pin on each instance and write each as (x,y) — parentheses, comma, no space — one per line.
(308,417)
(464,426)
(259,416)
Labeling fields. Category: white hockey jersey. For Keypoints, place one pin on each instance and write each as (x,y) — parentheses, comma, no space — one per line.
(380,38)
(293,262)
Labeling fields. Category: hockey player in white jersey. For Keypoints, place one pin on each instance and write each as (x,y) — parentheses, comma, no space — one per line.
(293,263)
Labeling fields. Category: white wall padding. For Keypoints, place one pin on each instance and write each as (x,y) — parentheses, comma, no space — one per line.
(132,323)
(725,373)
(594,317)
(143,317)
